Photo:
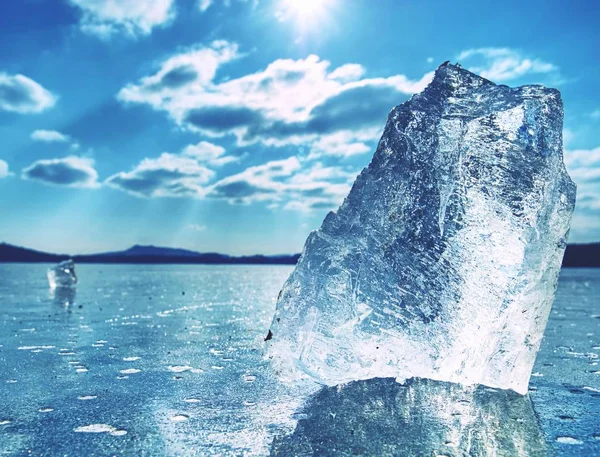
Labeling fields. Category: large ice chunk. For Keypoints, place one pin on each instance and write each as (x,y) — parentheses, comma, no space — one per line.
(443,260)
(62,275)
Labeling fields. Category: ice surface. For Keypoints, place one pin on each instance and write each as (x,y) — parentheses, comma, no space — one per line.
(62,275)
(443,260)
(125,306)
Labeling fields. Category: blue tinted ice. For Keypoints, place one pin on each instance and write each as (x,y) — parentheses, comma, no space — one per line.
(62,275)
(135,367)
(443,260)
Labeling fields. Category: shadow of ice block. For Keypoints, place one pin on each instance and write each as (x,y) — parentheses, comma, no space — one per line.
(419,418)
(62,275)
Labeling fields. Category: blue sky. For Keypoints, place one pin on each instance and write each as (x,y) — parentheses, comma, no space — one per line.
(234,126)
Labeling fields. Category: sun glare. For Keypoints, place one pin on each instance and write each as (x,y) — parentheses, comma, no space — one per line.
(305,11)
(304,7)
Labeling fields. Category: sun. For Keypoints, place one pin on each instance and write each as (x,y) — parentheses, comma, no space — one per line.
(305,11)
(305,7)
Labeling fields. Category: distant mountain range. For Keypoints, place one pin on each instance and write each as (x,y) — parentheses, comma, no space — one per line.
(582,255)
(576,255)
(143,254)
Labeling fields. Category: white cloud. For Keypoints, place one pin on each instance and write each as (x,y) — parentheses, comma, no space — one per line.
(333,111)
(20,94)
(289,102)
(345,143)
(105,18)
(347,73)
(209,153)
(3,169)
(582,159)
(180,76)
(503,64)
(50,136)
(256,183)
(203,5)
(590,201)
(71,171)
(292,183)
(288,183)
(584,167)
(169,175)
(174,175)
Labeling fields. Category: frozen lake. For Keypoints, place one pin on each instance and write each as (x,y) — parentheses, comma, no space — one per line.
(166,360)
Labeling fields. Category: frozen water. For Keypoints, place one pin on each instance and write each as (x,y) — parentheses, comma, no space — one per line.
(443,260)
(222,316)
(62,275)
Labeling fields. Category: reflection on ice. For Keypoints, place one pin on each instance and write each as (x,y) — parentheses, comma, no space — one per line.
(421,417)
(63,296)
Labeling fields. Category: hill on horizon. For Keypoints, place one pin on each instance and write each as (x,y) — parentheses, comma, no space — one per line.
(142,254)
(576,255)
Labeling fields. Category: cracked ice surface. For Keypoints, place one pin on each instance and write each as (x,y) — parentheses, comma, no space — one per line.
(443,260)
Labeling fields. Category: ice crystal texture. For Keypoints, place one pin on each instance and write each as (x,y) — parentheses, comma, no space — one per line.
(62,275)
(443,260)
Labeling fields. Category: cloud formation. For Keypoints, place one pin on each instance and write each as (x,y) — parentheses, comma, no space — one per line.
(292,183)
(174,175)
(3,169)
(71,171)
(20,94)
(503,64)
(584,167)
(50,136)
(343,144)
(286,183)
(256,183)
(180,75)
(289,102)
(203,5)
(209,153)
(133,18)
(169,175)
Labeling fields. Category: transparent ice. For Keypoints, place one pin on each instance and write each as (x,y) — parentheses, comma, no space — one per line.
(443,260)
(62,275)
